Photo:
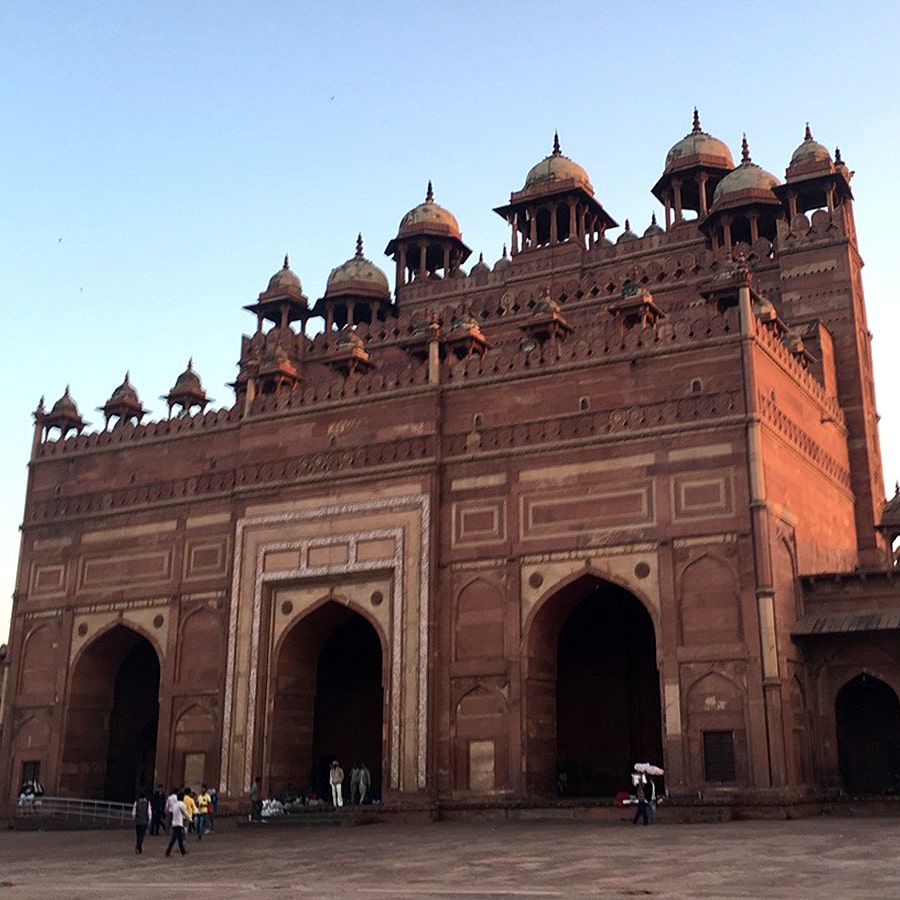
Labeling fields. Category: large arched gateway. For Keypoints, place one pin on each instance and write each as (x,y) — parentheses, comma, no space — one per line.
(328,700)
(109,749)
(592,690)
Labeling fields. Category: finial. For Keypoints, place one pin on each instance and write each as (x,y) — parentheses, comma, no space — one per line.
(429,196)
(653,218)
(696,128)
(808,136)
(127,376)
(504,251)
(627,225)
(896,483)
(190,367)
(286,265)
(556,150)
(66,393)
(745,150)
(837,157)
(359,246)
(40,407)
(481,257)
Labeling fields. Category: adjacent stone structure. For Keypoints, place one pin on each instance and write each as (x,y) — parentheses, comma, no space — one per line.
(500,535)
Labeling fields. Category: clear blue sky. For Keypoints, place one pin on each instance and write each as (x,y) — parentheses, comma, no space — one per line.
(158,159)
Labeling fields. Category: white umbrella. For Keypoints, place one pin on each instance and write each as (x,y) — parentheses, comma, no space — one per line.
(648,769)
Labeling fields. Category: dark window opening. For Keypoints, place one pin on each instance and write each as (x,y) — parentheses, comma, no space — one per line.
(718,756)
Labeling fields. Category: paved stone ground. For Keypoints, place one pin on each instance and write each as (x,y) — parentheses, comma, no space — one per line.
(816,858)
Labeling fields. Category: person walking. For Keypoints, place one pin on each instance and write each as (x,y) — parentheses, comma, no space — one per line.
(336,779)
(365,782)
(179,818)
(256,799)
(141,813)
(158,809)
(641,812)
(204,802)
(354,784)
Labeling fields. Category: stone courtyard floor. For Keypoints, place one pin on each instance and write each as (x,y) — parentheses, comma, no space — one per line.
(832,858)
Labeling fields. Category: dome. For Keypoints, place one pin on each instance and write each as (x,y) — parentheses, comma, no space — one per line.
(810,151)
(357,275)
(698,147)
(188,380)
(125,393)
(65,406)
(654,227)
(284,279)
(429,217)
(627,234)
(746,177)
(481,267)
(557,167)
(504,262)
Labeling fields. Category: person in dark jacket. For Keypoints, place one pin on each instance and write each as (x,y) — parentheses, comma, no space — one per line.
(141,814)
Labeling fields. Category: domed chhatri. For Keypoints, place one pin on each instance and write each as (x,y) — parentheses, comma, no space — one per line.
(747,182)
(358,276)
(428,244)
(810,151)
(654,227)
(124,404)
(503,262)
(481,268)
(556,206)
(557,169)
(429,218)
(284,281)
(187,393)
(698,148)
(627,234)
(357,291)
(64,416)
(693,168)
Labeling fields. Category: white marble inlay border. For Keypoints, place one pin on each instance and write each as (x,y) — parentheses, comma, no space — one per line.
(420,501)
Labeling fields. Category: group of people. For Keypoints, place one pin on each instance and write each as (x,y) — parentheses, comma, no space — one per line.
(360,783)
(175,814)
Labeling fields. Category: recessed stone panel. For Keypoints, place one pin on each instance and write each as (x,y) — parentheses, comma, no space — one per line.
(126,569)
(48,579)
(478,521)
(588,508)
(702,495)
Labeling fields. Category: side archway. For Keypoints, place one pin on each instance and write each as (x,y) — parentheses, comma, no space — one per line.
(867,715)
(109,746)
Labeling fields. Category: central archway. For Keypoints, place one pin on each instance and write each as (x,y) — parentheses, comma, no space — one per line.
(328,701)
(592,691)
(109,750)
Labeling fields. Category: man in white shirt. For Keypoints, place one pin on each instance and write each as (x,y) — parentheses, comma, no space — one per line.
(179,817)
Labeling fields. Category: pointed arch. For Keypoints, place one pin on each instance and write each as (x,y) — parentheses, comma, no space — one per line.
(481,764)
(38,656)
(716,717)
(867,718)
(109,744)
(709,607)
(591,686)
(480,621)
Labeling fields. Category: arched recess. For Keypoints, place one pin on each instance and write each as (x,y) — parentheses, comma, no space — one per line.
(480,621)
(801,771)
(592,696)
(481,743)
(709,609)
(201,650)
(867,715)
(28,756)
(327,701)
(109,747)
(717,732)
(38,669)
(194,746)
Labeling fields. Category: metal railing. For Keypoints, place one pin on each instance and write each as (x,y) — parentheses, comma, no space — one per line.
(97,812)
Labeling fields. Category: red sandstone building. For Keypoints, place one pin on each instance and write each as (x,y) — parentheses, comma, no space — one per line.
(617,498)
